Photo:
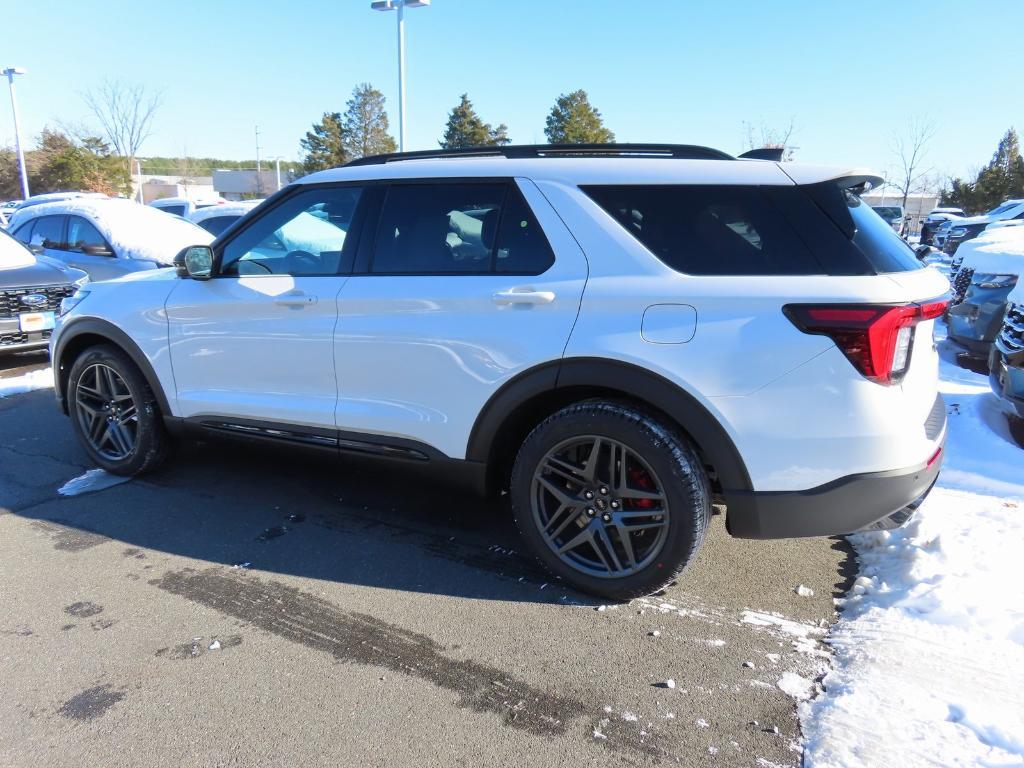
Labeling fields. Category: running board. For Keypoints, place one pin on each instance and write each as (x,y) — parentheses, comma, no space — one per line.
(346,443)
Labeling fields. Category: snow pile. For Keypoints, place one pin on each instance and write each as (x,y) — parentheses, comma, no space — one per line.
(91,481)
(26,382)
(134,231)
(929,665)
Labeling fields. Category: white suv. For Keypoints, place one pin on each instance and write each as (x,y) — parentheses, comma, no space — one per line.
(620,336)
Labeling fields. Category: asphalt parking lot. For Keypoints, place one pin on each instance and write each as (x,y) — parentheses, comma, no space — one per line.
(246,607)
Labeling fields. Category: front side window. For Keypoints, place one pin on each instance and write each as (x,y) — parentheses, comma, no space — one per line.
(48,232)
(82,235)
(305,234)
(709,230)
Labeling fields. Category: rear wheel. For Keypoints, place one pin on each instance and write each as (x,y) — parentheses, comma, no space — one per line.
(114,412)
(610,499)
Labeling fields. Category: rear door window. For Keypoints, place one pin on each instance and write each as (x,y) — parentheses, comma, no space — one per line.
(710,230)
(82,234)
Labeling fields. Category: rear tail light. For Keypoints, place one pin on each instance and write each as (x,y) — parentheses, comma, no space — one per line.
(876,338)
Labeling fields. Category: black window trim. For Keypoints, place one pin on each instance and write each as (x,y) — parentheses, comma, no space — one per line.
(511,187)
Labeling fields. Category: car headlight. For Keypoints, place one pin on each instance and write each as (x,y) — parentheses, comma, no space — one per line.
(958,231)
(989,280)
(80,282)
(70,302)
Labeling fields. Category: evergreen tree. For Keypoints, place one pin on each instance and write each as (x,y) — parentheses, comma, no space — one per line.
(365,124)
(1001,179)
(60,163)
(574,121)
(466,129)
(325,144)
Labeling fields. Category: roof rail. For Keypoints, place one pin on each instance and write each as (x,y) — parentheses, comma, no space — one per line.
(519,151)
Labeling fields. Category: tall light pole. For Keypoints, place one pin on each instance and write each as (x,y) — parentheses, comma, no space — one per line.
(11,72)
(400,6)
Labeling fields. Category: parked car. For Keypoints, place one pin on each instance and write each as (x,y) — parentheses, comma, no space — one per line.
(969,228)
(1006,361)
(183,206)
(31,289)
(934,219)
(54,197)
(990,268)
(105,237)
(619,336)
(8,207)
(3,220)
(892,215)
(216,218)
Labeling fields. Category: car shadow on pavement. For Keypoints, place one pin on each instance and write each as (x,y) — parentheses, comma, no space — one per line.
(39,359)
(345,520)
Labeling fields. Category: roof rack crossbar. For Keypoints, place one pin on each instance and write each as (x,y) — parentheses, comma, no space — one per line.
(520,151)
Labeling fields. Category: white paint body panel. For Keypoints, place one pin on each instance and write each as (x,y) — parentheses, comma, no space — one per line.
(419,356)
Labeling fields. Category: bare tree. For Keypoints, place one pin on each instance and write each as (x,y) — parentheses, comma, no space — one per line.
(771,138)
(125,112)
(909,148)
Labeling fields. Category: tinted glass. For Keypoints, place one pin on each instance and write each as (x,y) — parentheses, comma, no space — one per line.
(437,229)
(710,230)
(521,247)
(303,235)
(217,224)
(875,238)
(24,232)
(48,232)
(177,210)
(82,234)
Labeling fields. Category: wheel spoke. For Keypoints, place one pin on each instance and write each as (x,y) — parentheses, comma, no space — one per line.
(120,439)
(557,466)
(603,538)
(563,496)
(563,520)
(627,544)
(583,537)
(634,493)
(590,468)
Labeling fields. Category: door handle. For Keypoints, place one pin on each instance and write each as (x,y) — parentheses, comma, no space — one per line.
(295,299)
(522,296)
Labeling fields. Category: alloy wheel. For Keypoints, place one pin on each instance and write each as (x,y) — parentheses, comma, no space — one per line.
(599,506)
(107,412)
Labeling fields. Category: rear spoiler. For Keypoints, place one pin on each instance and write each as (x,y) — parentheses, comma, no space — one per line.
(764,153)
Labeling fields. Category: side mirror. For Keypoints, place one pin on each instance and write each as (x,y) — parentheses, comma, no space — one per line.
(97,250)
(196,262)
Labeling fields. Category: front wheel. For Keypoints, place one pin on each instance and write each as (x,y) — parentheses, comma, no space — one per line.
(114,413)
(610,498)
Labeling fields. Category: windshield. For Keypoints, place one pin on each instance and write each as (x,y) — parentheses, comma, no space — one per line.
(887,212)
(13,254)
(1000,209)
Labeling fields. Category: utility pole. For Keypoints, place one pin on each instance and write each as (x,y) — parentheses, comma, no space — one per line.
(138,172)
(259,169)
(400,6)
(11,72)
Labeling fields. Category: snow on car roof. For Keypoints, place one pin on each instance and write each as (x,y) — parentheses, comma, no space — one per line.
(227,209)
(133,230)
(999,251)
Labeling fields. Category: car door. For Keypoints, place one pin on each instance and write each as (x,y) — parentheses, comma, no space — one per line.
(254,344)
(467,284)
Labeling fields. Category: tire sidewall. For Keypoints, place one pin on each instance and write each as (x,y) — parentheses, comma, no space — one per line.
(669,455)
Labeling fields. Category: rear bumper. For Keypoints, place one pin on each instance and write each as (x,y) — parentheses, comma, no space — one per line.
(872,501)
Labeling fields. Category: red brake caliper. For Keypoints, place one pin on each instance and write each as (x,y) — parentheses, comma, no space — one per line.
(639,478)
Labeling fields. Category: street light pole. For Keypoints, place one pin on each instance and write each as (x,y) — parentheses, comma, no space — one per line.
(400,6)
(11,72)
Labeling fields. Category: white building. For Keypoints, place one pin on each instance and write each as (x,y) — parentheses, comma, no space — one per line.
(245,184)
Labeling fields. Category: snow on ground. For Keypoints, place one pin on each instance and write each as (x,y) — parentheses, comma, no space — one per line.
(929,649)
(93,480)
(26,382)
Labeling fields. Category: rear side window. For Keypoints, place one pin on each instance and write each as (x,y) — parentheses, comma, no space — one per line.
(177,210)
(217,224)
(710,230)
(49,232)
(82,234)
(458,228)
(24,232)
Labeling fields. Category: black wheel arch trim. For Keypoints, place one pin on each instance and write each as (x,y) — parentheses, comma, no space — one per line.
(632,381)
(114,335)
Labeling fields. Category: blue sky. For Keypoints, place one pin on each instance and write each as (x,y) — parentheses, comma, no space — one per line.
(848,74)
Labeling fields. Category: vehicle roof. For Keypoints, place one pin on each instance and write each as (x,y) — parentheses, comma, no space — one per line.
(184,200)
(227,209)
(597,170)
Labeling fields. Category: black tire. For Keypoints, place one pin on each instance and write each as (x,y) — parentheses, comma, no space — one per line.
(145,442)
(646,444)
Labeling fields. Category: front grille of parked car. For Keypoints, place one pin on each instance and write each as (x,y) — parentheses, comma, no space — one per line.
(961,283)
(18,337)
(936,419)
(12,306)
(1012,335)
